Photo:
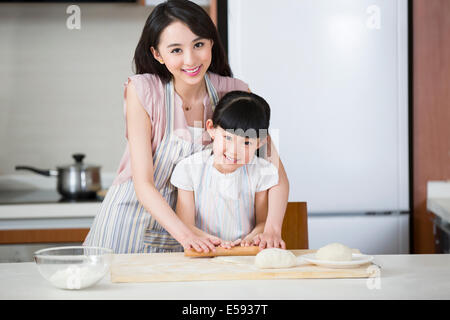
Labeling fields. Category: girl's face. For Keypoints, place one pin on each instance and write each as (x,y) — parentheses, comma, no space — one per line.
(186,55)
(231,151)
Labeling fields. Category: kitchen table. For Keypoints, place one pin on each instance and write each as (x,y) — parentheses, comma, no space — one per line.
(425,276)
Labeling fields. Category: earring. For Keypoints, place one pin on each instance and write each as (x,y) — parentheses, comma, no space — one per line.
(161,61)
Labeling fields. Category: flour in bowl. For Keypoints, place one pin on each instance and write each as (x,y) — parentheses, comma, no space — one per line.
(76,277)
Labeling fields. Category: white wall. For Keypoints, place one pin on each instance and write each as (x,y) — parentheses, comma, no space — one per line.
(61,90)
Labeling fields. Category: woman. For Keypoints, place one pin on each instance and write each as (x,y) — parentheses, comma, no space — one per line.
(181,72)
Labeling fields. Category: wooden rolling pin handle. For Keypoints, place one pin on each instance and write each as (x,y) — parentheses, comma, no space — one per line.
(234,251)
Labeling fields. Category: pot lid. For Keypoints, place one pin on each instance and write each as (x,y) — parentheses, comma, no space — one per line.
(79,164)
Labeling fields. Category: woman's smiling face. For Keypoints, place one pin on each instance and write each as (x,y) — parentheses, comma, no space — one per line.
(186,55)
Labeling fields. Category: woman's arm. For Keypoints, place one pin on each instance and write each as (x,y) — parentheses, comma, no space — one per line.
(139,138)
(186,212)
(186,207)
(278,198)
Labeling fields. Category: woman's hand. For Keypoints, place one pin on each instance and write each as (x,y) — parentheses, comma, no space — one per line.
(269,240)
(200,243)
(250,239)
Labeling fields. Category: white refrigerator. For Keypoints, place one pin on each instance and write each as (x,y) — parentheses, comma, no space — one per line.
(335,73)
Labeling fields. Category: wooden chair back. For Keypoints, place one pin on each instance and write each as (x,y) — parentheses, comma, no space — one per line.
(295,226)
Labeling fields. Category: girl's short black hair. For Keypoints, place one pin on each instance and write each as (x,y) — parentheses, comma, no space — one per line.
(245,113)
(196,18)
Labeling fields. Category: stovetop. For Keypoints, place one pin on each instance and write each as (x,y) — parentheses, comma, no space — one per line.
(37,197)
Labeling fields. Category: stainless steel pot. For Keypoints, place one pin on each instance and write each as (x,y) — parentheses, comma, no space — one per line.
(75,181)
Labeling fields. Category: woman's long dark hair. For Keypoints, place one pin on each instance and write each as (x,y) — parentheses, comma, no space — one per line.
(196,19)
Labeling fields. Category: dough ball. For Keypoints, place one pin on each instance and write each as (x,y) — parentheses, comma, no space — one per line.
(334,252)
(275,258)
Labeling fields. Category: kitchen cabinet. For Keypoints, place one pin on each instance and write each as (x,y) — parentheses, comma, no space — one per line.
(27,228)
(19,245)
(43,235)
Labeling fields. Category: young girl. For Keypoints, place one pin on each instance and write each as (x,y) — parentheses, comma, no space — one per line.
(222,192)
(182,71)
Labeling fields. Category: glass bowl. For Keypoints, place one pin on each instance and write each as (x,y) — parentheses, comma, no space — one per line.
(75,267)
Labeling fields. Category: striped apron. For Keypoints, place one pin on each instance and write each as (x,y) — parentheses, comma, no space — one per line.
(224,203)
(123,224)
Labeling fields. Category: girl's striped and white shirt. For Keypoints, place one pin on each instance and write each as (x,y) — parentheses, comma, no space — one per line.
(224,203)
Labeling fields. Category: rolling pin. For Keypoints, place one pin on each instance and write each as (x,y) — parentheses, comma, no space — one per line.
(234,251)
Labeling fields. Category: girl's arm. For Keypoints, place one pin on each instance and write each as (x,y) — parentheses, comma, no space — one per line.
(186,212)
(139,138)
(278,196)
(261,199)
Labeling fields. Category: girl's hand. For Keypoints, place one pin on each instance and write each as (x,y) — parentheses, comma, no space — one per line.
(230,244)
(249,240)
(200,243)
(269,240)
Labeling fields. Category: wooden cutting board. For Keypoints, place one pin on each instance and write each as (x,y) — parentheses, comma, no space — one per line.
(153,267)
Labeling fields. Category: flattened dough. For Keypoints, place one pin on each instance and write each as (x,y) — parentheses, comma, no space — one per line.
(249,260)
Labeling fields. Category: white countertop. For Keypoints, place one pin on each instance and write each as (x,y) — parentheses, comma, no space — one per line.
(48,216)
(49,210)
(401,277)
(45,215)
